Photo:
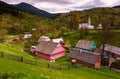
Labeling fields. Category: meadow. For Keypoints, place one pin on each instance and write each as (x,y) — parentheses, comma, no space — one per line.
(10,69)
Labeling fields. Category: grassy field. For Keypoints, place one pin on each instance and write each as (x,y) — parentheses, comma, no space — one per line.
(10,69)
(16,70)
(17,51)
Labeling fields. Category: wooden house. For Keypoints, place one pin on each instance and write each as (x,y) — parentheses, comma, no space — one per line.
(44,38)
(88,59)
(27,35)
(86,45)
(58,40)
(112,53)
(112,49)
(50,50)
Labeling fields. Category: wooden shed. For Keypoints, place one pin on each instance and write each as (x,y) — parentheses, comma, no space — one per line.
(112,49)
(112,53)
(50,50)
(88,59)
(86,45)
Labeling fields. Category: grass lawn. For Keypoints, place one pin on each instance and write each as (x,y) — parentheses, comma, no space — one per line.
(18,70)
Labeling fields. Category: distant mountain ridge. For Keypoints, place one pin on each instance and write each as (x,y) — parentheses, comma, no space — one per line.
(29,8)
(6,8)
(117,6)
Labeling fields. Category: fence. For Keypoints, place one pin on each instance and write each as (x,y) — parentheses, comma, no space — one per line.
(34,62)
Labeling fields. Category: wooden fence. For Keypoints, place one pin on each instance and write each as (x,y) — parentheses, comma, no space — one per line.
(34,62)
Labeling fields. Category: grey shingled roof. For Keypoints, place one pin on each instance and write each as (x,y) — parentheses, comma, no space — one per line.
(44,38)
(112,49)
(83,56)
(46,47)
(84,44)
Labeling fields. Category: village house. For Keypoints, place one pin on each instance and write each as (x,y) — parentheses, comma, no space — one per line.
(50,50)
(44,38)
(112,53)
(58,40)
(88,59)
(27,35)
(86,45)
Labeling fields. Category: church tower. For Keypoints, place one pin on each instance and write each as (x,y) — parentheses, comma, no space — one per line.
(89,21)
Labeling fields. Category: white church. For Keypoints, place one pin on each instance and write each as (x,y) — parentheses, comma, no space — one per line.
(86,25)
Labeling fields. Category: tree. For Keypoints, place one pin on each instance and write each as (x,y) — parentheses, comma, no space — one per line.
(3,32)
(74,20)
(63,30)
(83,31)
(56,33)
(43,30)
(104,36)
(35,37)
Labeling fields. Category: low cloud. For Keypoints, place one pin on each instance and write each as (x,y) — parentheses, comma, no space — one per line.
(56,6)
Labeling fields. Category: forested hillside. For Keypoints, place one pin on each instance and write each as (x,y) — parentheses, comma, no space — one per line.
(98,15)
(15,21)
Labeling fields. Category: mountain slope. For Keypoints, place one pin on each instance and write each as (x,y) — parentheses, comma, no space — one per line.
(6,8)
(29,8)
(117,6)
(11,17)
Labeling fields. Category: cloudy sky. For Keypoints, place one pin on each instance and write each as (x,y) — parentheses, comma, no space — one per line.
(57,6)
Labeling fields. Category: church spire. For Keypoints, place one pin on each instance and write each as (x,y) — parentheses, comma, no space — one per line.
(89,21)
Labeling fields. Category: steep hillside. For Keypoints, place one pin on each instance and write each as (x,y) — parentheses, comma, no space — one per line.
(97,15)
(29,8)
(16,21)
(117,6)
(6,8)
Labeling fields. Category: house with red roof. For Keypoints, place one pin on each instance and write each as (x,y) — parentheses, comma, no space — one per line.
(49,50)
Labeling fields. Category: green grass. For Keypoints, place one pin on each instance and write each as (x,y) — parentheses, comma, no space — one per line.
(20,70)
(74,37)
(17,51)
(64,61)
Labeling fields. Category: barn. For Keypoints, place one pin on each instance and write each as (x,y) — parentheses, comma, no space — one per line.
(88,59)
(86,45)
(50,50)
